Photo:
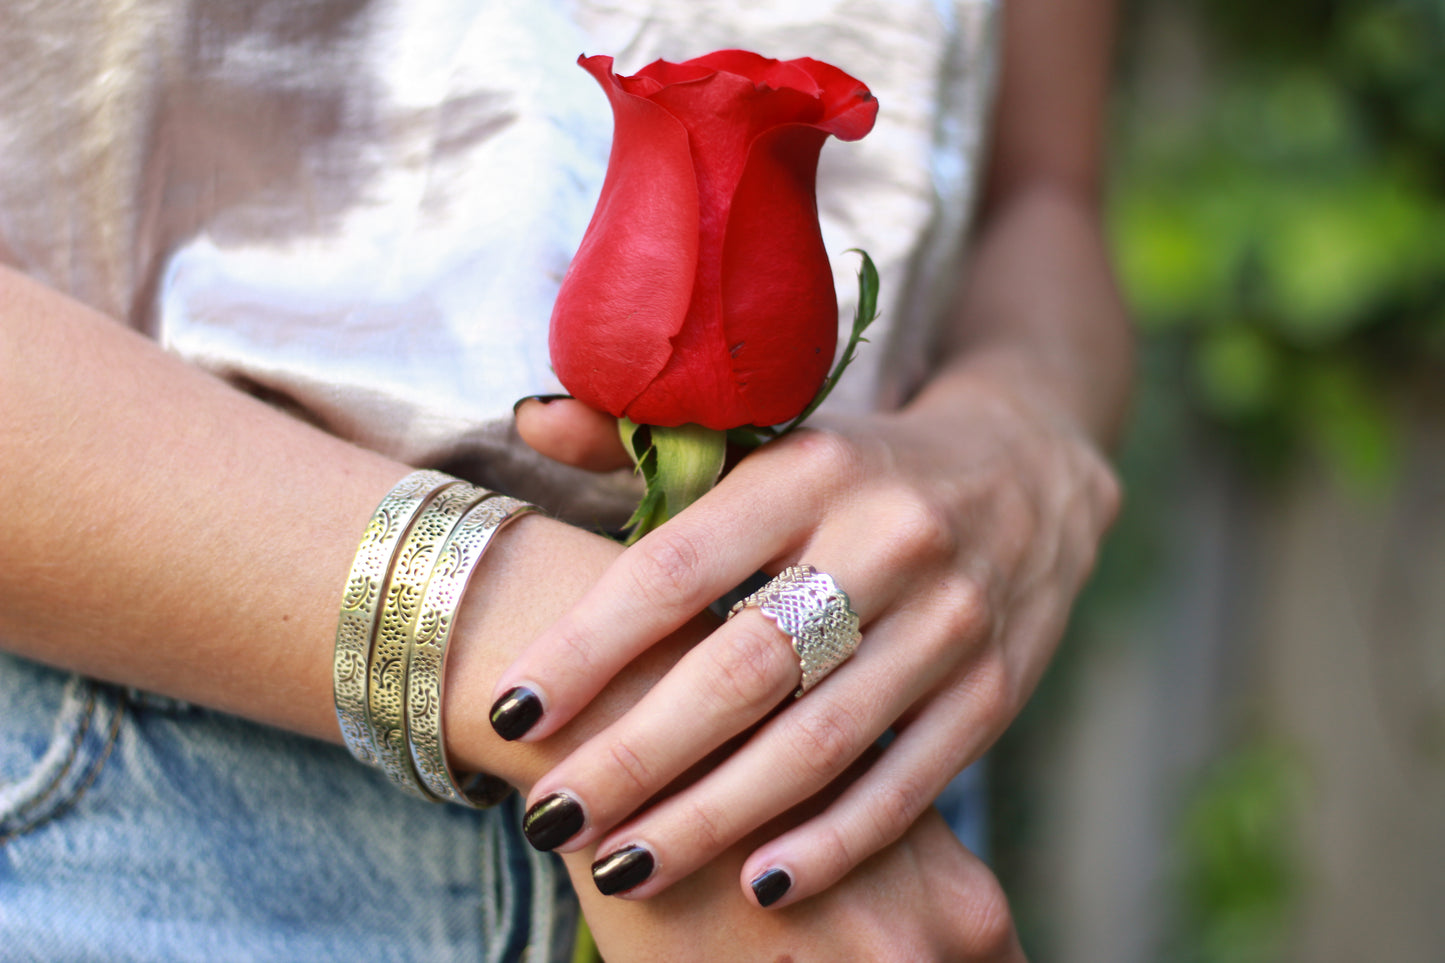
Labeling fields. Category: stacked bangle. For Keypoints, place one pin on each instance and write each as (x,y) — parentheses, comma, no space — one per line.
(401,598)
(362,597)
(386,681)
(427,652)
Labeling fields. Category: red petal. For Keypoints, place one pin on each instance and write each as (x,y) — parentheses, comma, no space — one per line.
(724,114)
(849,108)
(665,72)
(783,74)
(627,290)
(702,292)
(780,312)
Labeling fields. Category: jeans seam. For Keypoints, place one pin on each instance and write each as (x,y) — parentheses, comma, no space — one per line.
(28,825)
(44,792)
(77,739)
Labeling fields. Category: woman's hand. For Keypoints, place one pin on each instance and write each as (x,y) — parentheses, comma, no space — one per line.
(961,527)
(925,898)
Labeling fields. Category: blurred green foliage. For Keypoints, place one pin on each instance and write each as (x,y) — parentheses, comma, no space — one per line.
(1239,871)
(1278,214)
(1278,209)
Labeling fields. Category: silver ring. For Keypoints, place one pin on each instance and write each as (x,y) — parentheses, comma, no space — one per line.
(810,607)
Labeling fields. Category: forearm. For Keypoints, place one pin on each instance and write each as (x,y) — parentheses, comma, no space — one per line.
(165,531)
(1040,318)
(161,529)
(1040,312)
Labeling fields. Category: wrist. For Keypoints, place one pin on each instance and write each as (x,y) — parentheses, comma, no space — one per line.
(1019,387)
(535,570)
(517,589)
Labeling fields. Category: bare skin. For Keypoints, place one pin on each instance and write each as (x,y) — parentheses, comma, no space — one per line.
(962,527)
(162,530)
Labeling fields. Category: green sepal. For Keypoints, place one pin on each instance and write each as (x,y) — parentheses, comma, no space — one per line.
(751,436)
(678,466)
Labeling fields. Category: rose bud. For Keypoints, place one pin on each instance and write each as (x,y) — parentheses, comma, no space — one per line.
(701,293)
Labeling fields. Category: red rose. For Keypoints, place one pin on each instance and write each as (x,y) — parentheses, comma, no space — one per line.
(701,293)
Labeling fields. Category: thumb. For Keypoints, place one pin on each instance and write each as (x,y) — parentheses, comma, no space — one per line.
(566,430)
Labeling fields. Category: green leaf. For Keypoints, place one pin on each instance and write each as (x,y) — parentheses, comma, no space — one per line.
(689,460)
(866,314)
(650,513)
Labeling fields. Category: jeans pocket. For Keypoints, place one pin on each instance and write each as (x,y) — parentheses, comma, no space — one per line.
(55,736)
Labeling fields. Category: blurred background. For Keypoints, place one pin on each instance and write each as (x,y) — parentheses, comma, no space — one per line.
(1240,754)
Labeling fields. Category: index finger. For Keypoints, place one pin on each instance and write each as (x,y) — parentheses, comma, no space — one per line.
(650,591)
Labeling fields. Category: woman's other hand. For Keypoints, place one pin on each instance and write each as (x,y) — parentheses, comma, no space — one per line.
(961,526)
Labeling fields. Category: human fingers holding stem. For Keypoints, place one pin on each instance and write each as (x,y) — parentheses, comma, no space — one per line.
(961,527)
(959,556)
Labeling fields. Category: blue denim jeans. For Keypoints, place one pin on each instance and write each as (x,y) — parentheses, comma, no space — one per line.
(134,828)
(139,829)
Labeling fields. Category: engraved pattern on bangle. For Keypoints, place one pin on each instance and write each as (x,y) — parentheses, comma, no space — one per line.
(387,670)
(429,642)
(810,607)
(361,596)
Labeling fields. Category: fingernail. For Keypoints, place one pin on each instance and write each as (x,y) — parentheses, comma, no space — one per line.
(624,869)
(545,399)
(485,790)
(515,712)
(553,821)
(771,886)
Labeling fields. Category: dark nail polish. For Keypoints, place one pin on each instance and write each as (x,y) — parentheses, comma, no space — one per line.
(515,712)
(485,790)
(624,869)
(545,399)
(553,821)
(771,886)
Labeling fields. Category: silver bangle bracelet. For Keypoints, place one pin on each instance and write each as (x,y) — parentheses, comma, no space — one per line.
(411,571)
(361,599)
(428,647)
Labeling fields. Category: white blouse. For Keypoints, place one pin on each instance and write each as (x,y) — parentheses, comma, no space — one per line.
(361,209)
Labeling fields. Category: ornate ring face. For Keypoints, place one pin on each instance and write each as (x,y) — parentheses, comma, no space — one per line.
(810,607)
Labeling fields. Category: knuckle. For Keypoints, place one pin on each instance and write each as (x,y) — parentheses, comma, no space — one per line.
(826,455)
(1084,548)
(827,739)
(666,567)
(967,609)
(580,652)
(749,665)
(835,857)
(709,830)
(897,805)
(990,921)
(918,526)
(1108,491)
(631,763)
(991,696)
